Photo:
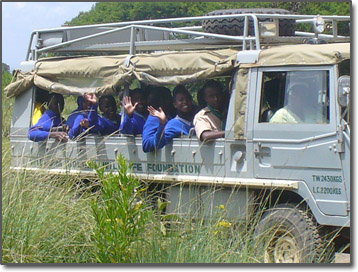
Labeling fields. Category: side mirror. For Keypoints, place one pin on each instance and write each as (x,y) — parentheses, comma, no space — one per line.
(344,87)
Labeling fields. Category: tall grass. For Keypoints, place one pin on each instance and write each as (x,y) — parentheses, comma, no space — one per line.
(44,220)
(51,221)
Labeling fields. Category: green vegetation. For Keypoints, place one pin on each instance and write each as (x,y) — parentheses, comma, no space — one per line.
(52,221)
(5,68)
(105,12)
(120,214)
(43,221)
(6,103)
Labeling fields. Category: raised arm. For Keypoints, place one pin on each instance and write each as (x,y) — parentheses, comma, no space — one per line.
(128,106)
(160,114)
(127,126)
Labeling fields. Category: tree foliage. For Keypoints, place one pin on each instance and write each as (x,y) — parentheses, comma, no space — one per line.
(6,75)
(109,12)
(5,68)
(6,79)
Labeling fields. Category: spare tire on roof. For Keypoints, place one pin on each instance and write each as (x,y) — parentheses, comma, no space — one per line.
(235,26)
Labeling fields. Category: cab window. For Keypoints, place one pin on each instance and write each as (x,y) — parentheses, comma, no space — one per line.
(295,97)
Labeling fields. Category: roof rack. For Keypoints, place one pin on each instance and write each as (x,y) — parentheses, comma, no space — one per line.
(160,35)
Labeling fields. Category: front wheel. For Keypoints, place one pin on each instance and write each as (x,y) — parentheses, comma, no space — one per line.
(287,234)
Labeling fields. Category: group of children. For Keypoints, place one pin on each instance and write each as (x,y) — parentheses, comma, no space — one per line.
(153,113)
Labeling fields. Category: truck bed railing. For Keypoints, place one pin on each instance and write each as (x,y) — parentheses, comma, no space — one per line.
(146,36)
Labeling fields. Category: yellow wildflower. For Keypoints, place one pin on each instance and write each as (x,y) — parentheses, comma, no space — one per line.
(118,220)
(225,224)
(139,204)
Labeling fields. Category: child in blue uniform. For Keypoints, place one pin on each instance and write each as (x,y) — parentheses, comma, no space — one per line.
(81,125)
(155,100)
(135,112)
(50,125)
(153,136)
(168,106)
(72,117)
(110,121)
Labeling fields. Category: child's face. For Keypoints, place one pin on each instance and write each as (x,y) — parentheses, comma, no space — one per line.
(108,107)
(141,107)
(56,104)
(86,105)
(183,103)
(213,97)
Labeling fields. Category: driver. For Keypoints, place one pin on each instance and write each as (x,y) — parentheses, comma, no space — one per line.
(292,113)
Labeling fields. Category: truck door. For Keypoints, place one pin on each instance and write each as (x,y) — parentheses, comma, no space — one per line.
(294,131)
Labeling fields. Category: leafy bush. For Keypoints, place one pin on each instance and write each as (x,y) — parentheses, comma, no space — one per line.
(121,215)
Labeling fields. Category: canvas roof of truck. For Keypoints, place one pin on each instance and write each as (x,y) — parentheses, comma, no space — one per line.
(303,54)
(162,68)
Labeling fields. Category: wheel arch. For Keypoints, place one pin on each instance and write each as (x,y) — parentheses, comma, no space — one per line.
(274,197)
(268,198)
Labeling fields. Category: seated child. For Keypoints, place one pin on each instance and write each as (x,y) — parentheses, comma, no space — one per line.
(81,125)
(135,112)
(157,122)
(50,124)
(109,122)
(155,100)
(72,117)
(168,106)
(210,121)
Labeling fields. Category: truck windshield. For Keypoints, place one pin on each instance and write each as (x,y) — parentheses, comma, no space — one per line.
(295,97)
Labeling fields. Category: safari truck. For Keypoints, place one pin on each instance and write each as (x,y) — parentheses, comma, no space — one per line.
(303,167)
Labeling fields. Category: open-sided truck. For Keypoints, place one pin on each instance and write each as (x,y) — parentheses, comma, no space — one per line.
(304,167)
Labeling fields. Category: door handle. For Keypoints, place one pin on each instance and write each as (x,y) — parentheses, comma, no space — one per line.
(261,151)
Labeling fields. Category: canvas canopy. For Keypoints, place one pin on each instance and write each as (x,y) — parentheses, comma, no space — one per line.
(303,54)
(241,87)
(105,74)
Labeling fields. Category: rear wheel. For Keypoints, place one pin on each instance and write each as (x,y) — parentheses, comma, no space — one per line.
(287,234)
(235,26)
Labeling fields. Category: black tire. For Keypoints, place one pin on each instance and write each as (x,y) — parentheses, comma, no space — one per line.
(235,26)
(287,234)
